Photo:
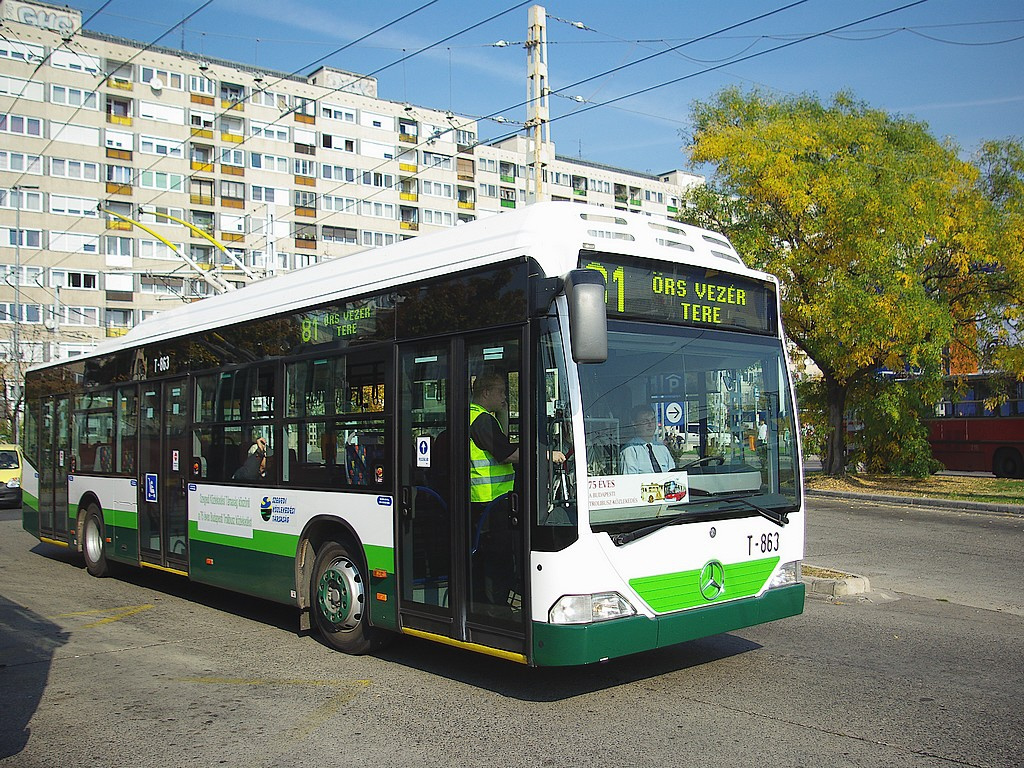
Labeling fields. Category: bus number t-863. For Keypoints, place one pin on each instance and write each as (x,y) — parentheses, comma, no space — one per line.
(768,542)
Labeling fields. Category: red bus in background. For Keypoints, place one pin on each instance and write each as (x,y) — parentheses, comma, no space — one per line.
(966,435)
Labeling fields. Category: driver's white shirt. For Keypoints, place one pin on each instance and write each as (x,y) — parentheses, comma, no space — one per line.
(635,459)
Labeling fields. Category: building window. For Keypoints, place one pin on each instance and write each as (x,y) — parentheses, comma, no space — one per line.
(164,78)
(74,169)
(21,125)
(171,182)
(339,235)
(73,97)
(304,199)
(232,189)
(154,145)
(273,163)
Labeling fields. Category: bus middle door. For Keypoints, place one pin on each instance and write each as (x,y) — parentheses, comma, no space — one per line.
(163,466)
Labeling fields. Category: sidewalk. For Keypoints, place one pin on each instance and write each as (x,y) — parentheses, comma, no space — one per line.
(968,506)
(812,464)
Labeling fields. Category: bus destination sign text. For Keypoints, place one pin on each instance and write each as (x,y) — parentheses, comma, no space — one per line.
(684,294)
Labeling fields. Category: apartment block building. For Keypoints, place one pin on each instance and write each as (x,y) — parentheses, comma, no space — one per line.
(133,178)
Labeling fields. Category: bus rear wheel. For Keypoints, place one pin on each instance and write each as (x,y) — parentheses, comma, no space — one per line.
(339,600)
(92,543)
(1008,463)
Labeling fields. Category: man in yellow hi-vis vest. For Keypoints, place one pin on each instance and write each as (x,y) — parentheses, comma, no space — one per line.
(494,538)
(492,457)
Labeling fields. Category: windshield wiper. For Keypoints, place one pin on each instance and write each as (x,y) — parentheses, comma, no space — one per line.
(778,516)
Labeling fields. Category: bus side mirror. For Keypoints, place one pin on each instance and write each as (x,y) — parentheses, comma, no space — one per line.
(588,320)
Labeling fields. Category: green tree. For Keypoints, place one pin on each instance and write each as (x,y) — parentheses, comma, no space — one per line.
(885,241)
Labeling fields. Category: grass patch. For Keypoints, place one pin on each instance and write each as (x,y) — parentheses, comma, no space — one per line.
(962,488)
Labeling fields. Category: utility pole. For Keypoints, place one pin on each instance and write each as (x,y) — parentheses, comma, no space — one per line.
(537,97)
(18,190)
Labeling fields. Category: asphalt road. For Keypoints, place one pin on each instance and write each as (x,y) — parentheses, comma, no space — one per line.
(147,669)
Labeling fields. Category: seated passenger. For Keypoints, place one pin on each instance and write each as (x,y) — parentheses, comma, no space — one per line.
(254,468)
(645,453)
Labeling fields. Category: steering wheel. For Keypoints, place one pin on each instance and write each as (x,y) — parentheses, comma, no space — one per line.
(716,460)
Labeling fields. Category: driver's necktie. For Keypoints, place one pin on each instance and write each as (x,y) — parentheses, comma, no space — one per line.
(654,461)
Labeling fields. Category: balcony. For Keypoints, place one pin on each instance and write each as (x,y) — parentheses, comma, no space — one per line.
(232,138)
(125,226)
(308,212)
(119,154)
(408,167)
(232,202)
(203,133)
(113,188)
(204,100)
(301,242)
(199,165)
(408,138)
(508,203)
(307,119)
(232,170)
(410,225)
(113,331)
(234,104)
(467,205)
(232,237)
(305,181)
(118,119)
(121,83)
(201,199)
(412,197)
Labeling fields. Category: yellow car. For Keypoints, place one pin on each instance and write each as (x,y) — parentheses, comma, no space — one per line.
(10,475)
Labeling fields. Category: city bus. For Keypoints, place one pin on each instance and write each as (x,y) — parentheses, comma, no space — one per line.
(969,435)
(355,377)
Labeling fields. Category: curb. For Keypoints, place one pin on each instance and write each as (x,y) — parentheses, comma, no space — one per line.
(833,583)
(969,506)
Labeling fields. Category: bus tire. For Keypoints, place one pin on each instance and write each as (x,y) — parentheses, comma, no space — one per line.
(1008,463)
(339,600)
(92,543)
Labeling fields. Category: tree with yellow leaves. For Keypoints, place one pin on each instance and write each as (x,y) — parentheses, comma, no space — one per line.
(891,250)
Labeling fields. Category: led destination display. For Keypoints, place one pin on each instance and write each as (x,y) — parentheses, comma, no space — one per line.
(684,295)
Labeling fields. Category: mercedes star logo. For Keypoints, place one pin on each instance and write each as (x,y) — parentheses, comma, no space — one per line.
(712,580)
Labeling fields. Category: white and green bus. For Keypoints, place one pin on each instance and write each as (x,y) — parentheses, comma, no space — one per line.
(357,373)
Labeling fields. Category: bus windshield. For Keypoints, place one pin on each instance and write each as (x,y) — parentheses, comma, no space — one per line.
(687,422)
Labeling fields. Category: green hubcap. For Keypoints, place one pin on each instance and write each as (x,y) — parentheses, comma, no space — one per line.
(340,595)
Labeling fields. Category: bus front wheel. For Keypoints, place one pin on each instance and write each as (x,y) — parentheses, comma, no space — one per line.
(339,600)
(92,543)
(1008,463)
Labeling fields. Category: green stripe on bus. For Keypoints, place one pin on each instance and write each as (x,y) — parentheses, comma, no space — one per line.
(271,542)
(677,591)
(379,557)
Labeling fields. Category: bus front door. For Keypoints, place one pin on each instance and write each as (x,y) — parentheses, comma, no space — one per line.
(54,467)
(460,558)
(163,466)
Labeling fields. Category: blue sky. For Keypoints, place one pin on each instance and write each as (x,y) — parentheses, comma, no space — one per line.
(956,65)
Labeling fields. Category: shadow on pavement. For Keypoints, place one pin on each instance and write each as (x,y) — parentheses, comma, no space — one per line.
(27,645)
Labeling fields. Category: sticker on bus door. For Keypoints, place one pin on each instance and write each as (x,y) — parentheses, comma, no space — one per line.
(151,483)
(423,452)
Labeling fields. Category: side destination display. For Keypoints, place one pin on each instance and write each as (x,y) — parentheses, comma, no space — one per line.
(683,294)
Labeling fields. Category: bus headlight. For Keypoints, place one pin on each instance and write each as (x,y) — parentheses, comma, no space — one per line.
(788,574)
(586,609)
(14,482)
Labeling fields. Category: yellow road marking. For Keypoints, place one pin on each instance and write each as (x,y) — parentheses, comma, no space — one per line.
(117,614)
(270,681)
